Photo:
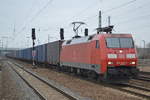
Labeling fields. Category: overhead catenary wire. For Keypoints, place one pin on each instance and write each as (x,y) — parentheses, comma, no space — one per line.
(134,19)
(39,12)
(112,9)
(109,10)
(94,16)
(27,16)
(104,12)
(134,10)
(79,13)
(120,6)
(35,16)
(83,11)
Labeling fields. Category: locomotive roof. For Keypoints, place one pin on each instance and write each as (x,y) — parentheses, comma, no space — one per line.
(117,35)
(78,40)
(91,37)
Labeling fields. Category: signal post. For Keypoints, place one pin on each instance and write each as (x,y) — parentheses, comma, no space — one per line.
(33,48)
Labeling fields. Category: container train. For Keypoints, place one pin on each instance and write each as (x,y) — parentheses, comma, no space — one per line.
(108,57)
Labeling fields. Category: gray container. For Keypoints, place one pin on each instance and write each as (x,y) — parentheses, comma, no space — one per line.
(28,55)
(41,53)
(53,52)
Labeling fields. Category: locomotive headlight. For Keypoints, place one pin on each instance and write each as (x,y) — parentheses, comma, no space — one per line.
(130,55)
(110,63)
(133,63)
(112,56)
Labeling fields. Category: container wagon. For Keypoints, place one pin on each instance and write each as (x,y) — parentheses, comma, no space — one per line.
(41,53)
(53,52)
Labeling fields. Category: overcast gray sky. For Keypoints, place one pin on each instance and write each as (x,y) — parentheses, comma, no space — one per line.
(17,17)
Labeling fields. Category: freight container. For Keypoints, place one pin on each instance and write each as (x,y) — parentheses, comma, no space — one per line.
(36,54)
(23,54)
(53,52)
(30,54)
(41,52)
(14,53)
(20,54)
(17,54)
(27,54)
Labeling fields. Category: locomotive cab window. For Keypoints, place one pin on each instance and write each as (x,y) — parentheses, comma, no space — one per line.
(121,42)
(97,44)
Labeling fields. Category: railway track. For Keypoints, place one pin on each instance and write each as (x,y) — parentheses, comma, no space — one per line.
(45,89)
(127,88)
(144,73)
(139,86)
(136,90)
(143,78)
(140,83)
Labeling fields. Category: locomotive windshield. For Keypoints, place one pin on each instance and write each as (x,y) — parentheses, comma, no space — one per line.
(119,42)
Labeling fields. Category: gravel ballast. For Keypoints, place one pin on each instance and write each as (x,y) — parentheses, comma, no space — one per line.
(14,88)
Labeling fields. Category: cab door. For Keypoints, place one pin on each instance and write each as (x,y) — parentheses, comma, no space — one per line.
(96,54)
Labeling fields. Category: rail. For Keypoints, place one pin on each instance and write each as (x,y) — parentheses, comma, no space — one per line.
(65,91)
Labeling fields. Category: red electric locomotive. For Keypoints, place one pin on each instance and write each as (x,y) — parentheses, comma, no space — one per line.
(110,57)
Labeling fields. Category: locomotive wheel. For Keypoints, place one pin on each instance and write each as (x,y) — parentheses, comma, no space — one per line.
(92,75)
(83,73)
(100,78)
(75,70)
(58,68)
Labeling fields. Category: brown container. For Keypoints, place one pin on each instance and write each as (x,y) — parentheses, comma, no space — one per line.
(53,52)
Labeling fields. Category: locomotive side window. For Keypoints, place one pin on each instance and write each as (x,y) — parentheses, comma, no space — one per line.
(97,44)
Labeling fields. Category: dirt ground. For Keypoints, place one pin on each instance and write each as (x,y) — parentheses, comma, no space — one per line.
(13,87)
(145,68)
(84,88)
